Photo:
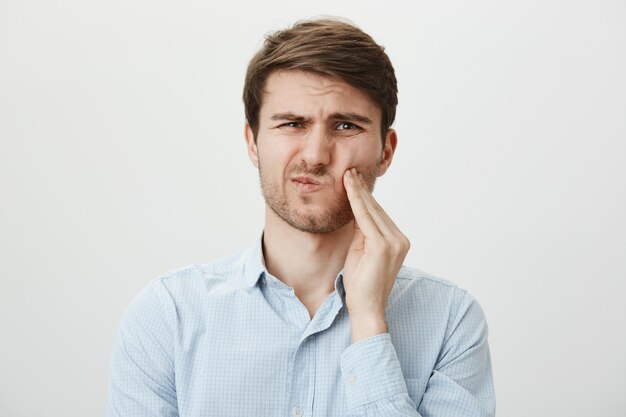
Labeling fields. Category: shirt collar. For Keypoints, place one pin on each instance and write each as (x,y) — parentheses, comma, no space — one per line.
(253,264)
(339,287)
(254,268)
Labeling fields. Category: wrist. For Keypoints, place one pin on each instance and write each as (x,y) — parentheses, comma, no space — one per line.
(367,325)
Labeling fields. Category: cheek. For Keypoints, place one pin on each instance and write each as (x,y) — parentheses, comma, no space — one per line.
(339,187)
(360,155)
(273,162)
(365,165)
(361,162)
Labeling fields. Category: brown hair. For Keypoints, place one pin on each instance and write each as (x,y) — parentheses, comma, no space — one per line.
(329,47)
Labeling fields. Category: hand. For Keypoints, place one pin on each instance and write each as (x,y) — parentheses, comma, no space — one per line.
(373,260)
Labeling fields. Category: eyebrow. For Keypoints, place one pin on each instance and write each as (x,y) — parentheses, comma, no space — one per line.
(289,116)
(348,117)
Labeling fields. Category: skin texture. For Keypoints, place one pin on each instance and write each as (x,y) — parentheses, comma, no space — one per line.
(319,151)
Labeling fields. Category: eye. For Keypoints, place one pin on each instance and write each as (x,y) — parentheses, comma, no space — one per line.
(346,126)
(292,125)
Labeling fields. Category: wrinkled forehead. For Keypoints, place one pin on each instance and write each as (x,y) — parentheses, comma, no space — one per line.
(314,95)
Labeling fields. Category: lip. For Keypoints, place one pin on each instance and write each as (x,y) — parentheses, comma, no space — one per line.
(306,184)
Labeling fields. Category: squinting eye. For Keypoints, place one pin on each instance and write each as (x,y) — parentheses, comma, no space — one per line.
(346,126)
(292,124)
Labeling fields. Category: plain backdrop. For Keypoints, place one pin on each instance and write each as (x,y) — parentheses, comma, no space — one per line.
(122,157)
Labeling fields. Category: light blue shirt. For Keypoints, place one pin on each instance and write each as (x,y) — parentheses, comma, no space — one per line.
(229,339)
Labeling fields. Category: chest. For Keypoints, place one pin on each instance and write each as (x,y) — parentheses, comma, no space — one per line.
(254,360)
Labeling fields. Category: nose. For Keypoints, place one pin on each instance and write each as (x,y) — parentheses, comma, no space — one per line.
(316,147)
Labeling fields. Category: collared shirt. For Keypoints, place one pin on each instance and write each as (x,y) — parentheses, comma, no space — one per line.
(229,339)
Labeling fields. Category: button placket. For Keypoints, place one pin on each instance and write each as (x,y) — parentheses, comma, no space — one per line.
(297,411)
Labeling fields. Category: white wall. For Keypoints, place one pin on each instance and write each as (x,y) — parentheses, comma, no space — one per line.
(122,157)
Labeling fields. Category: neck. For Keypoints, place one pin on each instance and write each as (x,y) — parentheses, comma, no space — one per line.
(306,262)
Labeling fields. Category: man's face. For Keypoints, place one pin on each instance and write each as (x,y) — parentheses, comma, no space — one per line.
(311,130)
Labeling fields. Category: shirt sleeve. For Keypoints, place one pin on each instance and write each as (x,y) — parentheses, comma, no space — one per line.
(373,380)
(460,385)
(462,382)
(142,382)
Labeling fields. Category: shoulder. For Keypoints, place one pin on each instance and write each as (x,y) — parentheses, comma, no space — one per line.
(165,293)
(414,274)
(425,293)
(194,276)
(414,279)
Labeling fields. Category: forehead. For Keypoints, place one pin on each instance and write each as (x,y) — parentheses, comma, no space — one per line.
(315,95)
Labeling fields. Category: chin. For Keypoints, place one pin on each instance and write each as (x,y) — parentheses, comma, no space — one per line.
(322,220)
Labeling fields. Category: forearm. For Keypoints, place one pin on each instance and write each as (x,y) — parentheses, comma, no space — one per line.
(373,380)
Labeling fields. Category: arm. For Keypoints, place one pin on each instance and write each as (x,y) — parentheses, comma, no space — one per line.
(142,366)
(373,380)
(460,384)
(374,383)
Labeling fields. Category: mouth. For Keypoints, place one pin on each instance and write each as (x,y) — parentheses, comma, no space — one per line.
(306,184)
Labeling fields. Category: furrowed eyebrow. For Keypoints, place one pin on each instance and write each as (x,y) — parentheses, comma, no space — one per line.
(292,117)
(352,117)
(348,117)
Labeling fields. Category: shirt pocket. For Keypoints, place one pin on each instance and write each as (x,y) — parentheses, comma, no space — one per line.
(416,388)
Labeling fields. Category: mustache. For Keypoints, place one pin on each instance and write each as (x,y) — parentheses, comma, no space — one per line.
(316,171)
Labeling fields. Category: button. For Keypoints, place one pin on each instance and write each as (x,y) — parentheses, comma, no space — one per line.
(297,411)
(352,380)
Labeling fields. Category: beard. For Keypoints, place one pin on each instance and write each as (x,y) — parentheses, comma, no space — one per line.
(320,221)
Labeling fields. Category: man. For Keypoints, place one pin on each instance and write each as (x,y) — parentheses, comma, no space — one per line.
(318,317)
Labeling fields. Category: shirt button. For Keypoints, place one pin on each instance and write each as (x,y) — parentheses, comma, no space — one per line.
(297,411)
(352,380)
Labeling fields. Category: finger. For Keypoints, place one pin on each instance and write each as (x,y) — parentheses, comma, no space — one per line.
(370,204)
(389,230)
(362,215)
(383,222)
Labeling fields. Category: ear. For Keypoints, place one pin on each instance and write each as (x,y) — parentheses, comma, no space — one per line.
(253,151)
(391,141)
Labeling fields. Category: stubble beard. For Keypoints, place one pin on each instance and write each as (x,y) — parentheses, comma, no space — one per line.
(323,221)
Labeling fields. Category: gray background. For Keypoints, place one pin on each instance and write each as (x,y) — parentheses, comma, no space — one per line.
(122,157)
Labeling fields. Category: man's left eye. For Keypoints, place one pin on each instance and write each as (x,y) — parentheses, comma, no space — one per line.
(346,126)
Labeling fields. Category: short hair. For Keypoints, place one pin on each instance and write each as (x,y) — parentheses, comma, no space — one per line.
(329,47)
